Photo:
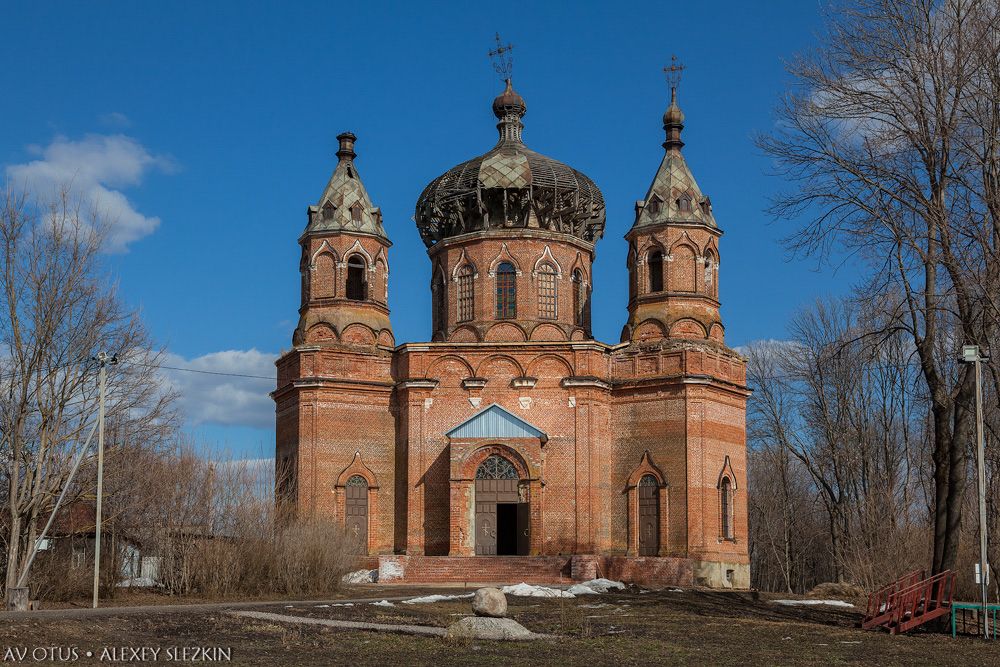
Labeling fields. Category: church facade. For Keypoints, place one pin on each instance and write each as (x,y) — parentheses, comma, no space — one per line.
(512,432)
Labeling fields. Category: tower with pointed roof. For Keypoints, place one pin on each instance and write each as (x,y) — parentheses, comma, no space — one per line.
(673,257)
(335,384)
(344,266)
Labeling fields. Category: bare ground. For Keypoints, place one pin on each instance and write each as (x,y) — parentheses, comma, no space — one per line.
(658,627)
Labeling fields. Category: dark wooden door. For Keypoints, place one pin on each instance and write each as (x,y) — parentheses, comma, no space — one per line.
(649,516)
(523,530)
(357,514)
(489,492)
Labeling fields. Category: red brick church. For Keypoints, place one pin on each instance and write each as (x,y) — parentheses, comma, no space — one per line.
(512,432)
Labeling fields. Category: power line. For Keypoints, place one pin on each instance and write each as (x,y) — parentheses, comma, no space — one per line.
(196,370)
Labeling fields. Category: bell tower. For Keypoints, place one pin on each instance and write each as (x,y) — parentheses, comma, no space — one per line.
(673,257)
(344,264)
(335,437)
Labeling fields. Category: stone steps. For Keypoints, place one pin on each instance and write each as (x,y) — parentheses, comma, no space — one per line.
(476,569)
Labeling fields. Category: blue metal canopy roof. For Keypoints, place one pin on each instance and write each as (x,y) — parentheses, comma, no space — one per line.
(495,422)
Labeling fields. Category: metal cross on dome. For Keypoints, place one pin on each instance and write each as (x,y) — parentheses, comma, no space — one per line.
(503,62)
(674,72)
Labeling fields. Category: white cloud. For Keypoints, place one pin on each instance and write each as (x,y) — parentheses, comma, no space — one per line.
(96,168)
(205,398)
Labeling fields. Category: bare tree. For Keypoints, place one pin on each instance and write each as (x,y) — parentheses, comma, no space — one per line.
(831,426)
(890,142)
(60,310)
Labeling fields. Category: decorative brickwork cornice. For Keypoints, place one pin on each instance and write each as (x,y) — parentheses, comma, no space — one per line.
(585,381)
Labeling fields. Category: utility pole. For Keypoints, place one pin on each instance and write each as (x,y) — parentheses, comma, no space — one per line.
(971,354)
(103,360)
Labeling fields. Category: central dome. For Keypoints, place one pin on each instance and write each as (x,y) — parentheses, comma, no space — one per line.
(510,187)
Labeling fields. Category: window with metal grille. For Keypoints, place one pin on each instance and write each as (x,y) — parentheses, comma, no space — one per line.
(437,301)
(726,505)
(579,299)
(655,268)
(357,480)
(547,292)
(466,296)
(506,291)
(496,467)
(357,281)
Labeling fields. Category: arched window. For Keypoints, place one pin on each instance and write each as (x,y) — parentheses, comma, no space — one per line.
(438,301)
(506,291)
(356,213)
(649,516)
(726,507)
(579,299)
(654,205)
(655,268)
(466,295)
(357,278)
(356,513)
(711,266)
(683,269)
(496,467)
(382,281)
(547,292)
(633,286)
(684,204)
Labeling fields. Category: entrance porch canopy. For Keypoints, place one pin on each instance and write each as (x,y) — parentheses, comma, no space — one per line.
(493,430)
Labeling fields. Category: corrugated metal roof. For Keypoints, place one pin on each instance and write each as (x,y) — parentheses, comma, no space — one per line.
(495,422)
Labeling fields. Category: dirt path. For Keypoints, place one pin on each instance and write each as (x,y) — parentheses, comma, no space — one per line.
(187,608)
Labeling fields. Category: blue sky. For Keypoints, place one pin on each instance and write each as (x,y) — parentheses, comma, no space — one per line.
(209,127)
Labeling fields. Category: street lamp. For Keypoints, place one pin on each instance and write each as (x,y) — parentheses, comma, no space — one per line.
(972,355)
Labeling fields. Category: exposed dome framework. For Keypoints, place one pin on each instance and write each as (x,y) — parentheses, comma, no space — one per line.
(510,187)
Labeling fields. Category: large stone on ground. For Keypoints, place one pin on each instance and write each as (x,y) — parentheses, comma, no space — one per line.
(489,602)
(482,627)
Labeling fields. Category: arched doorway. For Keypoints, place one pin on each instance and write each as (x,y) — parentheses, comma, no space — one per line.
(649,516)
(356,514)
(501,517)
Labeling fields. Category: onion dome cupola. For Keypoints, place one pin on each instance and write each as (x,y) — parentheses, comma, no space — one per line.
(674,195)
(345,205)
(509,187)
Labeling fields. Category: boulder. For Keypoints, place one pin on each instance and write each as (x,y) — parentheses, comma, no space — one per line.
(489,602)
(502,629)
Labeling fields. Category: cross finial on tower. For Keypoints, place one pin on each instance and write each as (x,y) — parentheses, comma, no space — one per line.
(674,72)
(503,63)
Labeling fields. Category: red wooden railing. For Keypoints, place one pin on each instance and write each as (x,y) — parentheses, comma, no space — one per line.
(910,601)
(880,602)
(922,602)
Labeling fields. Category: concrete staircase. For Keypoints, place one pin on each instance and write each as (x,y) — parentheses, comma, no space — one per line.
(475,569)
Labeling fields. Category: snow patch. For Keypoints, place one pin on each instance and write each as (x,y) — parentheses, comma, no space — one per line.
(527,590)
(389,570)
(829,603)
(361,577)
(595,587)
(383,603)
(435,598)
